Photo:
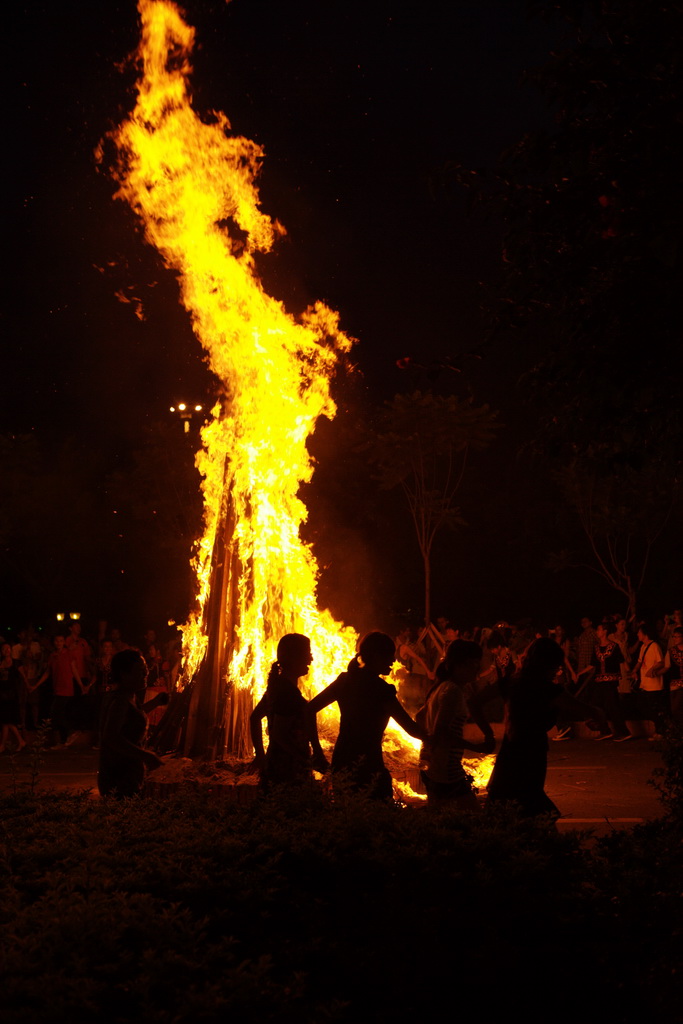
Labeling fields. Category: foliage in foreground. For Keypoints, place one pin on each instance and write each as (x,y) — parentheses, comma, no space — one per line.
(293,908)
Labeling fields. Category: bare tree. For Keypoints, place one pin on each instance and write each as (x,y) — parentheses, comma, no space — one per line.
(422,445)
(622,513)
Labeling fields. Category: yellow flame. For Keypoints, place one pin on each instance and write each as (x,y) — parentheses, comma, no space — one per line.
(192,184)
(480,768)
(404,791)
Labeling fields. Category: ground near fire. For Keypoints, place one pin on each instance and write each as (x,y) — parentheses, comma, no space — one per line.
(296,908)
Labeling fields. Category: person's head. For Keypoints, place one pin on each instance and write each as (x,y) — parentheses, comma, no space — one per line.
(543,658)
(75,629)
(294,655)
(129,672)
(6,650)
(586,623)
(463,661)
(645,632)
(620,626)
(107,649)
(677,635)
(377,652)
(59,641)
(495,640)
(602,629)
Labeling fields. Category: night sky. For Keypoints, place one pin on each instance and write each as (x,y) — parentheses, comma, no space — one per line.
(361,108)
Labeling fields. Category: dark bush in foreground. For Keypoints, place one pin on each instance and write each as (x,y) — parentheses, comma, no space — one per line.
(294,909)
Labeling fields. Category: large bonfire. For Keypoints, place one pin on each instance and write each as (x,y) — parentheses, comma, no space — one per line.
(192,183)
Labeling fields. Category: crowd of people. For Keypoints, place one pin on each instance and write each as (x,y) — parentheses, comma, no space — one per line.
(610,673)
(63,679)
(539,681)
(605,677)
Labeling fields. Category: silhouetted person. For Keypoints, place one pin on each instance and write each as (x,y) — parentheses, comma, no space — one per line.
(603,688)
(648,676)
(10,688)
(66,685)
(443,718)
(290,730)
(366,703)
(673,667)
(530,711)
(123,758)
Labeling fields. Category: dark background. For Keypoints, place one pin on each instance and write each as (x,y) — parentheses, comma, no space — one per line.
(361,108)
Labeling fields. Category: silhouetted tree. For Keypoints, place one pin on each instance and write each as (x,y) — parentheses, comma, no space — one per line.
(422,445)
(593,271)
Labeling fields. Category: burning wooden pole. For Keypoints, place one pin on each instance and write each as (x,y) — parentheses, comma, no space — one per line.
(219,710)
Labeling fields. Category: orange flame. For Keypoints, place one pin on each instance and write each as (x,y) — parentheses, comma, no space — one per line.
(188,179)
(192,184)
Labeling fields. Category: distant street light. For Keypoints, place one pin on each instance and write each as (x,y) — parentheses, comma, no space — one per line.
(186,413)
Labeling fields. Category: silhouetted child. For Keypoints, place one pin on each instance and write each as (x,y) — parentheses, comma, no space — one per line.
(290,732)
(123,758)
(366,703)
(443,718)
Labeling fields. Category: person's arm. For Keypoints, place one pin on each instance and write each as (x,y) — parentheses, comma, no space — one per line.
(160,700)
(323,699)
(43,677)
(488,677)
(488,745)
(402,718)
(256,730)
(567,663)
(77,676)
(320,762)
(657,668)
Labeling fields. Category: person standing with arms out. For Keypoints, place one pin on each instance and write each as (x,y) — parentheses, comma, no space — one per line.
(366,703)
(443,719)
(290,730)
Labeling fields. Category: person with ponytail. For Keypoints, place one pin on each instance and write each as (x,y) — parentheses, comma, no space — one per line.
(290,735)
(366,703)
